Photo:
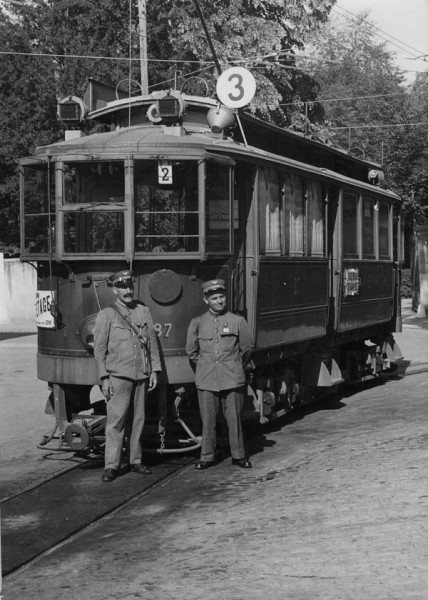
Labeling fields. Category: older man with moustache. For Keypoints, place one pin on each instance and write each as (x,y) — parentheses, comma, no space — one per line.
(127,353)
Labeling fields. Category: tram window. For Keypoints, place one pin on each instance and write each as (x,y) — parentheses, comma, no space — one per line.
(166,216)
(350,225)
(39,218)
(270,218)
(384,231)
(294,215)
(369,227)
(94,182)
(218,217)
(315,218)
(100,232)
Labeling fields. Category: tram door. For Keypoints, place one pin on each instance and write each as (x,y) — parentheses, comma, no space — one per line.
(244,281)
(334,255)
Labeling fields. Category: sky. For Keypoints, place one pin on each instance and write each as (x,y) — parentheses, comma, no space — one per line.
(404,23)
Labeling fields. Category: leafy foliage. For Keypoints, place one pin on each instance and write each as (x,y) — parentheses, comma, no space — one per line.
(408,153)
(371,112)
(360,87)
(259,34)
(27,119)
(406,283)
(56,45)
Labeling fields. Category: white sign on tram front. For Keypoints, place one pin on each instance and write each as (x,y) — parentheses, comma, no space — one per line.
(44,318)
(165,172)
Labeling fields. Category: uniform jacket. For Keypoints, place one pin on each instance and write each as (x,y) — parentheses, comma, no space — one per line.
(117,349)
(220,346)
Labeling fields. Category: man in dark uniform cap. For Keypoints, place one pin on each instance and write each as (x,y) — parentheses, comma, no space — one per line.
(127,354)
(219,343)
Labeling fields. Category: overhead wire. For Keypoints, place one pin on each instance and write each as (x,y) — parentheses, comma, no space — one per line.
(385,125)
(322,101)
(390,38)
(93,57)
(210,64)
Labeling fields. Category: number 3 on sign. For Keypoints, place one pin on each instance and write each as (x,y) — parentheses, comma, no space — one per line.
(165,172)
(236,87)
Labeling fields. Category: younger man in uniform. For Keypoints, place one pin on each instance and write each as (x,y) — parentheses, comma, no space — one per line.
(219,343)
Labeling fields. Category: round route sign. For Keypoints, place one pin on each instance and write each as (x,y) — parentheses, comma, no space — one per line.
(236,87)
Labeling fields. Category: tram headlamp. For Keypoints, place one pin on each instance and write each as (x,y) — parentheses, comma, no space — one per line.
(220,118)
(72,110)
(170,108)
(85,332)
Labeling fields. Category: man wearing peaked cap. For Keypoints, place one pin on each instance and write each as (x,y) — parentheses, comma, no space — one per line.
(127,353)
(213,285)
(122,277)
(219,345)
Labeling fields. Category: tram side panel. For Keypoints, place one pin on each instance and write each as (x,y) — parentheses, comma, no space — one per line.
(292,301)
(367,294)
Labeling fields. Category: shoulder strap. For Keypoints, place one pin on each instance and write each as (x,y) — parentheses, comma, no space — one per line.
(130,324)
(145,345)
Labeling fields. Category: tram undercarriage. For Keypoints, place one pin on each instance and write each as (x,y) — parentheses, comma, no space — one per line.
(172,423)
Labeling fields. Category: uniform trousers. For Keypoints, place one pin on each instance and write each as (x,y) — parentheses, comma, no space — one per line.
(128,401)
(232,402)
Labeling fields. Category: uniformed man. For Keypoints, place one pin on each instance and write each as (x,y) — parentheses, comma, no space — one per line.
(219,344)
(127,354)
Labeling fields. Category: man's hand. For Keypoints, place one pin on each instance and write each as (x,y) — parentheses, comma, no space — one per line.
(153,381)
(107,388)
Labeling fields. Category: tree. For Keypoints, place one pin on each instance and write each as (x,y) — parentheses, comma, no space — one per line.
(37,72)
(408,152)
(360,87)
(262,35)
(371,111)
(27,119)
(58,44)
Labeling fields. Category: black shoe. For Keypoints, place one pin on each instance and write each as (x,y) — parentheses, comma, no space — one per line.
(204,464)
(244,463)
(141,469)
(109,475)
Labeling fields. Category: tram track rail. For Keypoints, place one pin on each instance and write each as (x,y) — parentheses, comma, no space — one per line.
(41,482)
(59,508)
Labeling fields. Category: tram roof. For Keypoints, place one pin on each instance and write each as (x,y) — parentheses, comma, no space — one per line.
(135,133)
(129,140)
(155,142)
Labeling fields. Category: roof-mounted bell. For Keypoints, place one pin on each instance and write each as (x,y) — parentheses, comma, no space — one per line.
(376,176)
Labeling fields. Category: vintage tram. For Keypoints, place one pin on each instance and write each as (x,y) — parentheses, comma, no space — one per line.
(306,236)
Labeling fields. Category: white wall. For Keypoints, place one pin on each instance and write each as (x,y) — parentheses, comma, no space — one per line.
(18,285)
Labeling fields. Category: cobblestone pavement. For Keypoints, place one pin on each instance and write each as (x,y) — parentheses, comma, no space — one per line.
(335,508)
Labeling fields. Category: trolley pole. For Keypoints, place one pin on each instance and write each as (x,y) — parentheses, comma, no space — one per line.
(142,26)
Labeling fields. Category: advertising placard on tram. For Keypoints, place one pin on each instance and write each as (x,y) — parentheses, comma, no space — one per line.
(44,319)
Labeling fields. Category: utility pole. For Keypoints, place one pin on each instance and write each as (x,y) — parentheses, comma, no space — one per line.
(142,26)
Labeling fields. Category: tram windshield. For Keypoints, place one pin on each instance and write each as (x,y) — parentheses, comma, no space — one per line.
(94,182)
(152,206)
(166,206)
(86,186)
(93,232)
(39,217)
